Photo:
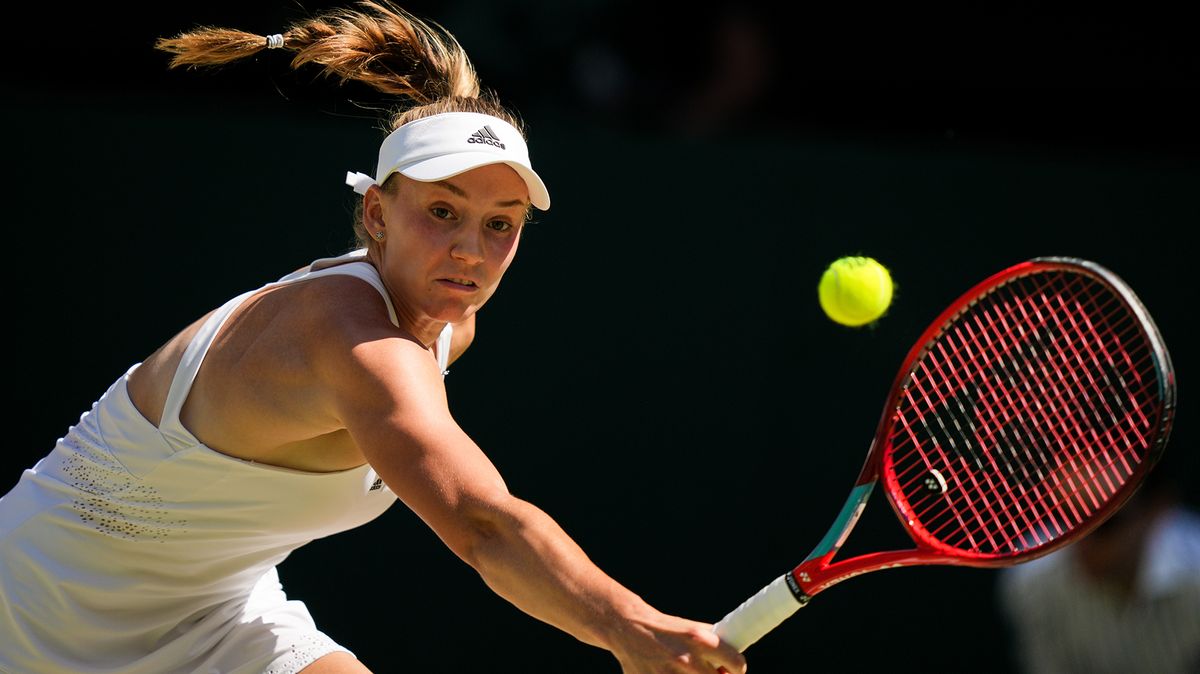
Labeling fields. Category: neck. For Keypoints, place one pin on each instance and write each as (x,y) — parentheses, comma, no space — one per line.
(422,328)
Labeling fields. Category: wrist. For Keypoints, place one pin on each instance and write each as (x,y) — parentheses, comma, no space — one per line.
(624,620)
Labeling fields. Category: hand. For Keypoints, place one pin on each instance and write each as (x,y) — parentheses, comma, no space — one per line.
(663,644)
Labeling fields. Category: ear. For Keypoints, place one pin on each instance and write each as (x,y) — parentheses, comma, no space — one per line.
(373,210)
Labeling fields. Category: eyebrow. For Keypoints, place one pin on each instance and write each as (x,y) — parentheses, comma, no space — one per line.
(462,193)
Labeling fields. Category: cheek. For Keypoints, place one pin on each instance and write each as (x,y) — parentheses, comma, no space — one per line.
(506,251)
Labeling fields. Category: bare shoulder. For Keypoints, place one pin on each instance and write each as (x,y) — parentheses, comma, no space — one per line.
(356,350)
(342,311)
(339,298)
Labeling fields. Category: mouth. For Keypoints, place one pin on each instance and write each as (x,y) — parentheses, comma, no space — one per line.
(463,283)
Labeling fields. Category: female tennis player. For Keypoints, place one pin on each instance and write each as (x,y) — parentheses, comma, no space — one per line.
(147,540)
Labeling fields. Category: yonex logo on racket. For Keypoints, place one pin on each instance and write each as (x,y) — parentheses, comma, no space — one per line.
(487,137)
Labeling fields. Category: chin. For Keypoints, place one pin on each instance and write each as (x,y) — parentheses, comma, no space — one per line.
(453,314)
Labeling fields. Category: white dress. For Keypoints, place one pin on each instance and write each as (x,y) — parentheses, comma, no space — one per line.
(133,549)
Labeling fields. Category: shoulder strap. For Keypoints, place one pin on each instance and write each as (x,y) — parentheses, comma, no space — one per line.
(442,348)
(185,373)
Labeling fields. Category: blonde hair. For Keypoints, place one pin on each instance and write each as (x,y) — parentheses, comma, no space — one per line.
(380,45)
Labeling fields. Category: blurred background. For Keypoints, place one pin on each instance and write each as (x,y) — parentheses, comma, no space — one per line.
(656,372)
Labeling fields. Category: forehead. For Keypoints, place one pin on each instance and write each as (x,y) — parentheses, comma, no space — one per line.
(495,184)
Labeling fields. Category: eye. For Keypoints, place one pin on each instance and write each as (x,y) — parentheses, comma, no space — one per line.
(500,225)
(441,212)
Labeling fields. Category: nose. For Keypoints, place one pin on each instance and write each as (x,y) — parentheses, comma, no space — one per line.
(468,245)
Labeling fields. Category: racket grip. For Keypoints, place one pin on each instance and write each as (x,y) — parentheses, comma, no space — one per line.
(758,615)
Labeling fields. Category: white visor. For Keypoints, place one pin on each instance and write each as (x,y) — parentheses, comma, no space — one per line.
(435,148)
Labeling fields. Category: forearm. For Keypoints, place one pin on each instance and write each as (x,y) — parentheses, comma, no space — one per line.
(525,556)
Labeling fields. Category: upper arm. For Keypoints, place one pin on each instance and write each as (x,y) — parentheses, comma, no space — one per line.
(387,392)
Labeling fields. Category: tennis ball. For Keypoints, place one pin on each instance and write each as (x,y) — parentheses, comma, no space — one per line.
(855,291)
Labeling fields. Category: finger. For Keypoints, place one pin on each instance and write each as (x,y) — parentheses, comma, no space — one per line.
(718,655)
(727,659)
(698,663)
(735,668)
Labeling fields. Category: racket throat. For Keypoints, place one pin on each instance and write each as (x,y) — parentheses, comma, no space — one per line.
(818,571)
(840,529)
(815,578)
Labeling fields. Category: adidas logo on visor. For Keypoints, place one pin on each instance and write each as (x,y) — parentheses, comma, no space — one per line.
(487,137)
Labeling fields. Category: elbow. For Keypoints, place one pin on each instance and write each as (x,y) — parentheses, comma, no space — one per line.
(486,528)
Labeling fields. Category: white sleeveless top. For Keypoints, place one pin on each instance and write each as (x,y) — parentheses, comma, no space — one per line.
(136,549)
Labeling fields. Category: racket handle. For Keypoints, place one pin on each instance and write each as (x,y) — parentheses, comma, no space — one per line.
(758,615)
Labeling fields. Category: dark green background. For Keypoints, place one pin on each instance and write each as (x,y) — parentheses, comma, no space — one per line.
(655,373)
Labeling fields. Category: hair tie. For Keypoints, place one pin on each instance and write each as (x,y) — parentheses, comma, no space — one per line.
(274,41)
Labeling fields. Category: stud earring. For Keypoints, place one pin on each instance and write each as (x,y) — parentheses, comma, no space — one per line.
(379,236)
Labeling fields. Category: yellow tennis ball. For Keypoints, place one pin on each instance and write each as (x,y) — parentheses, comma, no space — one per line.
(855,291)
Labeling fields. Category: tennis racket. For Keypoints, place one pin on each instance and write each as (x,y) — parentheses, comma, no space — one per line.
(1026,414)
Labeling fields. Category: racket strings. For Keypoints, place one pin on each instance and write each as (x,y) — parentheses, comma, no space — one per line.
(1032,405)
(991,487)
(1097,419)
(1009,443)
